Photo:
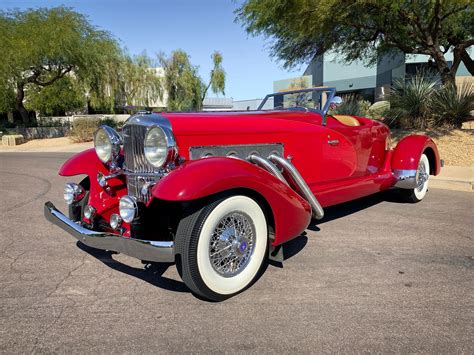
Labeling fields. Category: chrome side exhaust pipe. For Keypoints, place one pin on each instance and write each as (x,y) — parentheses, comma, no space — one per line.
(304,190)
(267,165)
(271,165)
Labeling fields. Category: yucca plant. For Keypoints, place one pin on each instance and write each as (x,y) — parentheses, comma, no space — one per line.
(410,101)
(451,105)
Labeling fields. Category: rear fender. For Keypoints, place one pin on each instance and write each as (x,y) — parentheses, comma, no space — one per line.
(408,151)
(208,176)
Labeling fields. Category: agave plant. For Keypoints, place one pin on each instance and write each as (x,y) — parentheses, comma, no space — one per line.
(410,101)
(451,105)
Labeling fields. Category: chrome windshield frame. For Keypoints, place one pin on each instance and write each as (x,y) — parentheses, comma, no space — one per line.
(331,92)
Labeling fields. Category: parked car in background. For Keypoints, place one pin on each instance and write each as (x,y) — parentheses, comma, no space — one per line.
(218,193)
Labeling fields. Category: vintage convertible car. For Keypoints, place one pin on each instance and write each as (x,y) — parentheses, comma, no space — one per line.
(218,193)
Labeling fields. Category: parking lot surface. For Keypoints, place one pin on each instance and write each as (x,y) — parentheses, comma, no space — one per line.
(374,276)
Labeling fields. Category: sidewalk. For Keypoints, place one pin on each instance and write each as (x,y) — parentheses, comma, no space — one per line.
(49,145)
(454,178)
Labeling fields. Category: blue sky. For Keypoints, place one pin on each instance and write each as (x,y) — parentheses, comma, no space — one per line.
(198,27)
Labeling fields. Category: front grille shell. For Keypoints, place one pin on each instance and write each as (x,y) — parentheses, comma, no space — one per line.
(138,170)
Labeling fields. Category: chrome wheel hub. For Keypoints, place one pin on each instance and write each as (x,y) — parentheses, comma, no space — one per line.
(422,176)
(232,244)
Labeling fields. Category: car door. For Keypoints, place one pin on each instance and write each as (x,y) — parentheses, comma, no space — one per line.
(361,139)
(338,158)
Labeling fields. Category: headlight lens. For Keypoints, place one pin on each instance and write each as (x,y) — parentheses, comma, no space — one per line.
(159,146)
(73,192)
(128,208)
(115,221)
(107,144)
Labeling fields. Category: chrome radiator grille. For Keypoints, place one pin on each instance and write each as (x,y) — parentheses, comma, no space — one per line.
(135,163)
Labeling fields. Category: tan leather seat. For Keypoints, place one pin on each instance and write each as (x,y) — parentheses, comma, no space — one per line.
(347,120)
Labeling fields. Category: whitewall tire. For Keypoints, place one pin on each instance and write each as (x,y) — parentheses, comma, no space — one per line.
(222,246)
(422,179)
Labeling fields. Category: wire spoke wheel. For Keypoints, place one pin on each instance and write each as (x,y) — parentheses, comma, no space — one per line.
(232,244)
(222,246)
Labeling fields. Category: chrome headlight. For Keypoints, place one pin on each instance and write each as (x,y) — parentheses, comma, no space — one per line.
(128,208)
(159,146)
(73,192)
(107,144)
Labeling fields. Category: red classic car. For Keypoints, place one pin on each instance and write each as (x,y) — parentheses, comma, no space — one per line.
(217,193)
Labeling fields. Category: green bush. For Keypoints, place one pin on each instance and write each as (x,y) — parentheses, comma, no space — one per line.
(82,129)
(451,105)
(108,121)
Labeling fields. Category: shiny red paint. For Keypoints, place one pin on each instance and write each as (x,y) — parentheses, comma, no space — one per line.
(359,165)
(205,177)
(408,152)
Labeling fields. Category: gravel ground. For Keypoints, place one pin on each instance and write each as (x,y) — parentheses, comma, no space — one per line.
(456,147)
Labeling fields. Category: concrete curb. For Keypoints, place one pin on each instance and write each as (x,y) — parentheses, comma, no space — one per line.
(454,178)
(451,184)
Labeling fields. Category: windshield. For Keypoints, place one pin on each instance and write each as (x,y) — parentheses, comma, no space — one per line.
(312,99)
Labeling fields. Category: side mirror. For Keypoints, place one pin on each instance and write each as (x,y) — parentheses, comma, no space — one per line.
(336,101)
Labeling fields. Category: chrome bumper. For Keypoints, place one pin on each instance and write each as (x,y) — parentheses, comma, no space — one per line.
(148,250)
(405,179)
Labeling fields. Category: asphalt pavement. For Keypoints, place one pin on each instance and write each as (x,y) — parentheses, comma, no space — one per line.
(374,276)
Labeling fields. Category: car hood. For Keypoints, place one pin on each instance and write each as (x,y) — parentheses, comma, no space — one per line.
(239,123)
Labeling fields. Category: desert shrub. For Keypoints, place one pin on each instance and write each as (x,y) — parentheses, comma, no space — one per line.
(410,101)
(352,105)
(82,129)
(379,110)
(107,121)
(451,106)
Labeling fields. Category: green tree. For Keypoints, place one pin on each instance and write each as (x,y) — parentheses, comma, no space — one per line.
(364,29)
(41,46)
(186,89)
(139,83)
(7,98)
(65,94)
(216,77)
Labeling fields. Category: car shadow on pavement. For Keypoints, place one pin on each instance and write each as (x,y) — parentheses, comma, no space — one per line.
(345,209)
(294,246)
(151,273)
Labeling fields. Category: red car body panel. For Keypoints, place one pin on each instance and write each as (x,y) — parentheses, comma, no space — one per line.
(408,152)
(358,165)
(105,201)
(205,177)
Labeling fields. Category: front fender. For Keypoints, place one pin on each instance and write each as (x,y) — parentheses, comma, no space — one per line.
(85,162)
(204,177)
(408,151)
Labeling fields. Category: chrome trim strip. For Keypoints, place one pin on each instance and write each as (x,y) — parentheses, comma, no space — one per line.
(267,165)
(290,169)
(405,179)
(148,250)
